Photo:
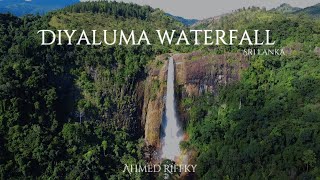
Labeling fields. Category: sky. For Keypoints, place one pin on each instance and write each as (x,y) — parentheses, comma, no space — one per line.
(201,9)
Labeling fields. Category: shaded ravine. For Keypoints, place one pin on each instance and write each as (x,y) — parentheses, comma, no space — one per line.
(172,131)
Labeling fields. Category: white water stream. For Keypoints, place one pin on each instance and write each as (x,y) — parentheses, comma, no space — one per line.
(172,131)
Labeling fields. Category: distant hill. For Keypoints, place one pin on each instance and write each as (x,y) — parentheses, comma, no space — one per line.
(286,8)
(23,7)
(187,22)
(312,10)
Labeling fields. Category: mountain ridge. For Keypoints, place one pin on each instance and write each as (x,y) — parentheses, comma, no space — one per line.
(313,11)
(23,7)
(286,8)
(185,21)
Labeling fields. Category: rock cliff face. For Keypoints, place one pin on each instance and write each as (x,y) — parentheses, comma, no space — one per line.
(196,74)
(153,106)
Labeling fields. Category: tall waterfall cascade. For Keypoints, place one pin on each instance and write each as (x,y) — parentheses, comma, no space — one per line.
(172,131)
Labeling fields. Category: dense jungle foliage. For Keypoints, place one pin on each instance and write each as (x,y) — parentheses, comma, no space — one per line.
(267,125)
(73,111)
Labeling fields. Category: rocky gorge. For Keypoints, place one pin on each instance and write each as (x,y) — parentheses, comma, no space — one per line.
(197,73)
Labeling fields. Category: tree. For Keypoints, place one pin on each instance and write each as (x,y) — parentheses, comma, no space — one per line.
(104,147)
(309,158)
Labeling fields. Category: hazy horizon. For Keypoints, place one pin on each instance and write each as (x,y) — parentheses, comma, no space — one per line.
(202,9)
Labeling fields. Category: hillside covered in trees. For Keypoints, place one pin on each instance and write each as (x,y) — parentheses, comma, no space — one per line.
(267,125)
(74,112)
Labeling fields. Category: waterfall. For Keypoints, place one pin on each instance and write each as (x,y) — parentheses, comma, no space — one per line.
(171,130)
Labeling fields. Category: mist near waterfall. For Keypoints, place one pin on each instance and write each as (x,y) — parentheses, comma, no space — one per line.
(171,130)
